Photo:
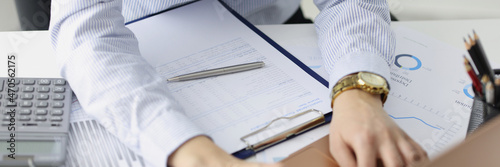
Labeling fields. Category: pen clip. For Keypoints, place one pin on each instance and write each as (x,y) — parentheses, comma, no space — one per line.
(285,134)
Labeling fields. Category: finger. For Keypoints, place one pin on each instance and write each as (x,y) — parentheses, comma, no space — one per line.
(410,153)
(422,154)
(342,154)
(421,151)
(366,154)
(423,157)
(390,155)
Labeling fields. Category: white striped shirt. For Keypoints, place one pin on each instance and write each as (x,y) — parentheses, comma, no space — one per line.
(100,59)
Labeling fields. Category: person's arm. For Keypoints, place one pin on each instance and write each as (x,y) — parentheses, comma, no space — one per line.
(100,58)
(101,61)
(355,36)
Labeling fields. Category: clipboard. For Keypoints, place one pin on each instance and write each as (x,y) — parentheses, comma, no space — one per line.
(294,131)
(253,148)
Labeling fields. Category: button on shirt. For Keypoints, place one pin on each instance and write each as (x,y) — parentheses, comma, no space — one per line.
(100,59)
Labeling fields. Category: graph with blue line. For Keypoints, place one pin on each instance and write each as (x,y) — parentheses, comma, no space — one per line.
(416,118)
(422,121)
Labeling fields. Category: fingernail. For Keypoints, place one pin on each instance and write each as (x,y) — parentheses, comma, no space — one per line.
(417,157)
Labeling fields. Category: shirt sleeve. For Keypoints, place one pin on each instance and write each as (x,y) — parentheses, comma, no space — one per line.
(100,59)
(354,36)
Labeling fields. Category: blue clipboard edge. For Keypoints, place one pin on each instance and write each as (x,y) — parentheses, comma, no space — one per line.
(278,47)
(245,153)
(160,12)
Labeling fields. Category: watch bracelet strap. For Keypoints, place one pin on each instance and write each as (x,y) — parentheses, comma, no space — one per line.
(341,83)
(353,78)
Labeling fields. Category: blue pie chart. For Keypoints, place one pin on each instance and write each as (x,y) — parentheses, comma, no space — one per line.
(396,62)
(466,91)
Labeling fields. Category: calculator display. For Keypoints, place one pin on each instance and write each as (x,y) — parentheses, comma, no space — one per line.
(33,147)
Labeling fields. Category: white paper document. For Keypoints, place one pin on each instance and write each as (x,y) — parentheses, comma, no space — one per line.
(430,97)
(204,35)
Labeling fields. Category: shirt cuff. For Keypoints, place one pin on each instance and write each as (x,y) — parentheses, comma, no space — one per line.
(157,141)
(357,62)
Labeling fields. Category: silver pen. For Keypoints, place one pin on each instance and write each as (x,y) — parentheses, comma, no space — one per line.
(218,71)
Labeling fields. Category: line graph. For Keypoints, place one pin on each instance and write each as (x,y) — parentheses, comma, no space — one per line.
(421,120)
(393,117)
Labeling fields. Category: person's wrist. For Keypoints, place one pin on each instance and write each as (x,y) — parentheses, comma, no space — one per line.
(199,150)
(366,81)
(348,98)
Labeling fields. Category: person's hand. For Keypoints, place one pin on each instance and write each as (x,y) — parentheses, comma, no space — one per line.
(362,133)
(200,151)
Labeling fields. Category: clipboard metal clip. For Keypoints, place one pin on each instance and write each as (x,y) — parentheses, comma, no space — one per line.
(285,134)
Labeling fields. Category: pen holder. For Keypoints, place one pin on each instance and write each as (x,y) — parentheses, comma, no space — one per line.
(482,112)
(476,115)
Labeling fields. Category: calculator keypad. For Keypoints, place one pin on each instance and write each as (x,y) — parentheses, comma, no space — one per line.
(38,102)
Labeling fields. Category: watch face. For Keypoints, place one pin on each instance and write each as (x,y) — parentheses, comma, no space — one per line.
(372,79)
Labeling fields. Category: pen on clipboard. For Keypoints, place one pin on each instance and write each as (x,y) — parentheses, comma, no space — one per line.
(218,71)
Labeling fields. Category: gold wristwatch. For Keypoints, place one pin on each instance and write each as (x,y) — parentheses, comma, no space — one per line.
(366,81)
